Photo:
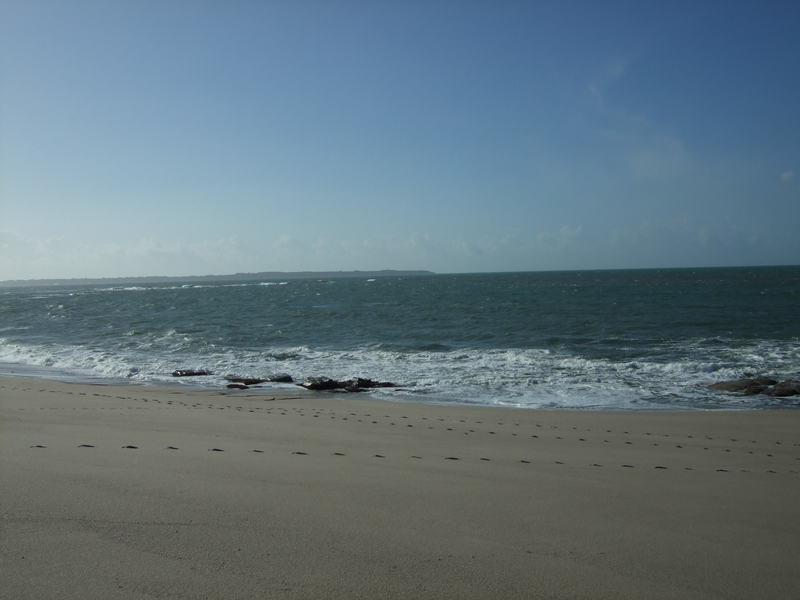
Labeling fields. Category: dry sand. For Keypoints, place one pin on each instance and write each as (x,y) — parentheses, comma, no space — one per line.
(135,492)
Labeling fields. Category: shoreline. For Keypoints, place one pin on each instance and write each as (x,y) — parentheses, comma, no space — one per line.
(142,491)
(23,371)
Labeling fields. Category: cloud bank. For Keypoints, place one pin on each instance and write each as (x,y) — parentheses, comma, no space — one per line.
(651,243)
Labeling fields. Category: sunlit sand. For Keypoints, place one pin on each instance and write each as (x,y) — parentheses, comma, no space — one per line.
(138,492)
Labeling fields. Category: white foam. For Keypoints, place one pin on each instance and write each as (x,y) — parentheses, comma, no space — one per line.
(534,378)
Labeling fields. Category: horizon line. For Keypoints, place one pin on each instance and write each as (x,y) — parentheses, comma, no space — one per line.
(339,273)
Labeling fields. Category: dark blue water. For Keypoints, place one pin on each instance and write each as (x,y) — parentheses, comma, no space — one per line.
(634,339)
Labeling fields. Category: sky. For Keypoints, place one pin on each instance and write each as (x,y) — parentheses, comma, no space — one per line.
(170,137)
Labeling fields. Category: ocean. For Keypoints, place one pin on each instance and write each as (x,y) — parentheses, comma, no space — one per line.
(594,340)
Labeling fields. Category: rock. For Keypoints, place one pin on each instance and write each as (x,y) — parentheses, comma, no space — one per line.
(280,378)
(783,389)
(321,383)
(759,385)
(277,378)
(189,373)
(246,380)
(747,387)
(356,384)
(237,386)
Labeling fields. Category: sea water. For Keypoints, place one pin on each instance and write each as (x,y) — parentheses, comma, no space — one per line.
(632,339)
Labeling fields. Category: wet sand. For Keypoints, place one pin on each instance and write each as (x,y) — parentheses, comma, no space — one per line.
(136,492)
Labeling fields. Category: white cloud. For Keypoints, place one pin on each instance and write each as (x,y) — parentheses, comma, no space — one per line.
(650,243)
(560,238)
(611,72)
(687,242)
(643,148)
(659,156)
(56,258)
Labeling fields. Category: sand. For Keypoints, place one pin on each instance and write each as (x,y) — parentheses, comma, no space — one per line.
(138,492)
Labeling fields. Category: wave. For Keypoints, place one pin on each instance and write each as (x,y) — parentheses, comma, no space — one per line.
(525,378)
(647,339)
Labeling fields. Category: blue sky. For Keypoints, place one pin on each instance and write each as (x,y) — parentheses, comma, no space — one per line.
(209,137)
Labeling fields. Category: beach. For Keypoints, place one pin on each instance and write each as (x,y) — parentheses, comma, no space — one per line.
(136,492)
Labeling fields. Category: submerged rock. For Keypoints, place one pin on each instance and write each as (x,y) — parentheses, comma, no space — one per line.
(758,385)
(190,373)
(280,378)
(746,386)
(783,389)
(246,380)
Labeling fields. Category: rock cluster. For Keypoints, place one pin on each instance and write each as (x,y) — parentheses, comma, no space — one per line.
(759,385)
(356,384)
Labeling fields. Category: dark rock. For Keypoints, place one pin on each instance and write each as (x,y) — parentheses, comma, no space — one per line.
(237,386)
(246,380)
(783,389)
(356,384)
(747,387)
(321,383)
(277,378)
(759,385)
(280,378)
(189,373)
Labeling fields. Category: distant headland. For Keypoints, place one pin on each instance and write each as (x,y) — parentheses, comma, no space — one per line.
(263,276)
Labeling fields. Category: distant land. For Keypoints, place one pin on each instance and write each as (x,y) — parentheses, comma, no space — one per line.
(268,275)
